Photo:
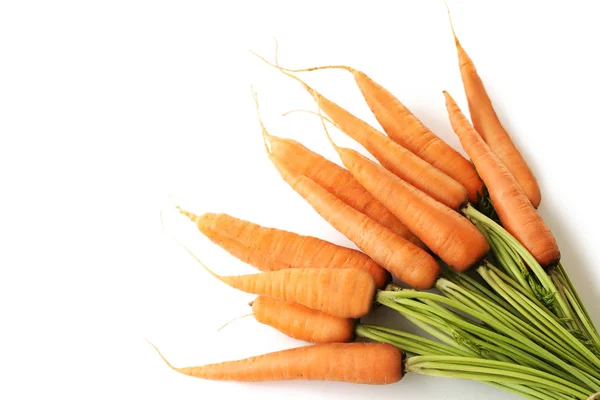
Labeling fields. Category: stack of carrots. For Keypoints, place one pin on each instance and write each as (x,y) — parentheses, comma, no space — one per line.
(424,216)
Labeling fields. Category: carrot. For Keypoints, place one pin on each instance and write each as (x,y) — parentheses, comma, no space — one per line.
(517,214)
(401,258)
(270,249)
(486,123)
(390,154)
(301,322)
(445,232)
(360,363)
(407,130)
(345,293)
(336,180)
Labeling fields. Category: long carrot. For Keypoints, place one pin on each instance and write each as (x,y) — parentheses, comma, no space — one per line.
(390,154)
(336,180)
(407,130)
(302,323)
(401,258)
(360,363)
(514,209)
(486,123)
(270,249)
(445,232)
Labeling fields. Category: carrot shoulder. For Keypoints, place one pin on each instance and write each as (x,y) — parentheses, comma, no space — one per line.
(514,209)
(360,363)
(270,249)
(487,124)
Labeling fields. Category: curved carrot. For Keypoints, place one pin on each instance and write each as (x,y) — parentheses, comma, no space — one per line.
(270,249)
(407,130)
(390,154)
(445,232)
(514,209)
(336,180)
(486,123)
(401,258)
(360,363)
(302,323)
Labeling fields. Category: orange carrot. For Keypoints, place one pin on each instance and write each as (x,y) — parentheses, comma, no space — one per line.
(445,232)
(406,129)
(360,363)
(487,124)
(390,154)
(302,323)
(517,214)
(270,249)
(401,258)
(336,180)
(345,293)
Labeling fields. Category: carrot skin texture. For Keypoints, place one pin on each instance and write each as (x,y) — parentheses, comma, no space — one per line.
(406,129)
(401,258)
(302,323)
(358,363)
(337,181)
(345,293)
(395,157)
(517,214)
(487,124)
(270,249)
(445,232)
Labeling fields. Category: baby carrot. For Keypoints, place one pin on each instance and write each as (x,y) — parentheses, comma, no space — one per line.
(270,249)
(302,323)
(360,363)
(514,209)
(486,123)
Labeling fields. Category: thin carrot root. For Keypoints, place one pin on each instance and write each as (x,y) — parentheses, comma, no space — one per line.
(233,320)
(285,114)
(358,363)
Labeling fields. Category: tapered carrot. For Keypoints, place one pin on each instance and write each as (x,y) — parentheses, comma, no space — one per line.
(270,249)
(445,232)
(360,363)
(336,180)
(486,123)
(514,209)
(390,154)
(302,323)
(407,130)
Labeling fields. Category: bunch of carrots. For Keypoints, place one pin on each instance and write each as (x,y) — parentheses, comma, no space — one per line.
(504,311)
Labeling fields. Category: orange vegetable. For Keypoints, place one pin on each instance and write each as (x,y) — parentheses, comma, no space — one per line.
(270,249)
(445,232)
(361,363)
(301,322)
(487,124)
(517,214)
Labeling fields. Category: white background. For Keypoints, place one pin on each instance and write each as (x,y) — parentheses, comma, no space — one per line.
(108,109)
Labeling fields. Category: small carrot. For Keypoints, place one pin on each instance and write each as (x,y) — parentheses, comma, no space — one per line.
(359,363)
(486,123)
(270,249)
(345,293)
(334,179)
(514,209)
(445,232)
(406,129)
(390,154)
(302,323)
